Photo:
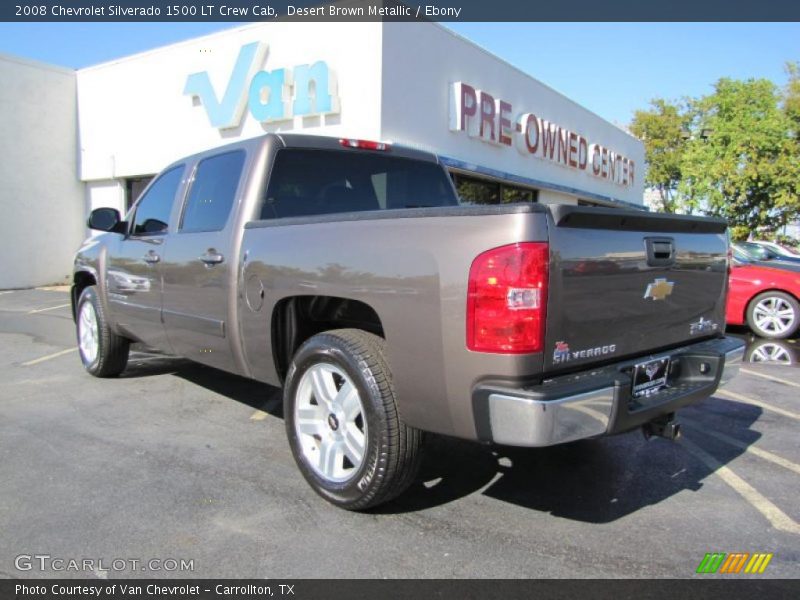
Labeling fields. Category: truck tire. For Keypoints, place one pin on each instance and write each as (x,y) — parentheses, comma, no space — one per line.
(342,421)
(774,315)
(103,352)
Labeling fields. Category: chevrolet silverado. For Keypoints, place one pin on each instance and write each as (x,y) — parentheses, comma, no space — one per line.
(350,273)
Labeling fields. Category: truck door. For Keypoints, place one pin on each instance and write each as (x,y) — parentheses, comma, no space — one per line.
(134,266)
(199,275)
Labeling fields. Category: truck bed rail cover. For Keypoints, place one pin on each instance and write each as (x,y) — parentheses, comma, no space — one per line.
(586,217)
(404,213)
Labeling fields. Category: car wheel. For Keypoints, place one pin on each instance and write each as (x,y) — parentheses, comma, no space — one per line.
(773,315)
(103,353)
(342,421)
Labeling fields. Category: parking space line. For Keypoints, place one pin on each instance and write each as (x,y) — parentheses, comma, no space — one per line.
(259,415)
(36,361)
(770,377)
(8,292)
(779,519)
(760,452)
(38,310)
(753,401)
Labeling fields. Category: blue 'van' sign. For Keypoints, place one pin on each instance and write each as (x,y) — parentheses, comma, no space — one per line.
(270,95)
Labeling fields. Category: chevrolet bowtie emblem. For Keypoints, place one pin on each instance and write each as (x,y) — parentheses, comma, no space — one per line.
(659,289)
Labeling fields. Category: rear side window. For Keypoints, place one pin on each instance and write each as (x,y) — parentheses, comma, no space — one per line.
(213,192)
(152,210)
(318,182)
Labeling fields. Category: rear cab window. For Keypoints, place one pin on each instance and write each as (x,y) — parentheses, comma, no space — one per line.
(319,182)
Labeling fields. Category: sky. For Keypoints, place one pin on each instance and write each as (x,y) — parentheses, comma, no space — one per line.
(612,69)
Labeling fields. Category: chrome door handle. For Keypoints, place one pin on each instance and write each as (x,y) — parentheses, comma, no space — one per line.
(212,258)
(151,258)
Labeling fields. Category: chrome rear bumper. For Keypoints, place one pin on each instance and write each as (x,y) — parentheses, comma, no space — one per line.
(519,421)
(563,409)
(733,361)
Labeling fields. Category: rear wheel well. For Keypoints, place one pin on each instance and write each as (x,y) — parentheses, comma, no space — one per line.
(80,281)
(296,319)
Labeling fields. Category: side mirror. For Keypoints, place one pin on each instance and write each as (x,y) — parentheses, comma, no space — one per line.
(106,219)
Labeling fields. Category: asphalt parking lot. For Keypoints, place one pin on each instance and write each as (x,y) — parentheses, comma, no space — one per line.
(177,461)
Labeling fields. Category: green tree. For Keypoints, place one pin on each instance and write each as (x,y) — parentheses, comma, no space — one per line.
(741,162)
(791,98)
(663,129)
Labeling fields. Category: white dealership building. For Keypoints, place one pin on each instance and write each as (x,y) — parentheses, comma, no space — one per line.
(77,140)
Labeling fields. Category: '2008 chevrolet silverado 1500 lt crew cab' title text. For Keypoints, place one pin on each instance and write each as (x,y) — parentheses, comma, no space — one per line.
(348,272)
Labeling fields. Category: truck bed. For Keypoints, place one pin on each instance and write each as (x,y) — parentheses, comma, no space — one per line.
(410,266)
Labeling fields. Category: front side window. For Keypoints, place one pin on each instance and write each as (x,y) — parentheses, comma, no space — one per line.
(213,192)
(318,182)
(153,209)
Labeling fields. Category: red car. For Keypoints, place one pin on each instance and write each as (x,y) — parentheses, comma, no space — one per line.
(764,298)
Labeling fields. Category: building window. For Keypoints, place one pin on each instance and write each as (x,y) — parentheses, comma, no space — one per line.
(517,194)
(134,186)
(473,190)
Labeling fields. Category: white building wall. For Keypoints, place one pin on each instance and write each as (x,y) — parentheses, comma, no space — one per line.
(393,81)
(421,62)
(41,198)
(109,193)
(135,118)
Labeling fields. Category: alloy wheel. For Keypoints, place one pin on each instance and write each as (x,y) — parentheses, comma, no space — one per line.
(774,315)
(88,337)
(330,422)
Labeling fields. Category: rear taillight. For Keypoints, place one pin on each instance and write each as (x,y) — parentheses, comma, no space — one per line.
(507,298)
(363,144)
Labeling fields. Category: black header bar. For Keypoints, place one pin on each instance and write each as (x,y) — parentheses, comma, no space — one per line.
(741,588)
(389,10)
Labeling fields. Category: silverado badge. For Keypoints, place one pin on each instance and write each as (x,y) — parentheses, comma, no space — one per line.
(658,290)
(561,353)
(703,326)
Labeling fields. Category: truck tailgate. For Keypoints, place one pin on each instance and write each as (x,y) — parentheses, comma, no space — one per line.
(626,283)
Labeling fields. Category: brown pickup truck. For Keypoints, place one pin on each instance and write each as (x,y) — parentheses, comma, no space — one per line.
(350,273)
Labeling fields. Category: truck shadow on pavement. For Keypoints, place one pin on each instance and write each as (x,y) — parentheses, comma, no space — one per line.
(595,481)
(254,394)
